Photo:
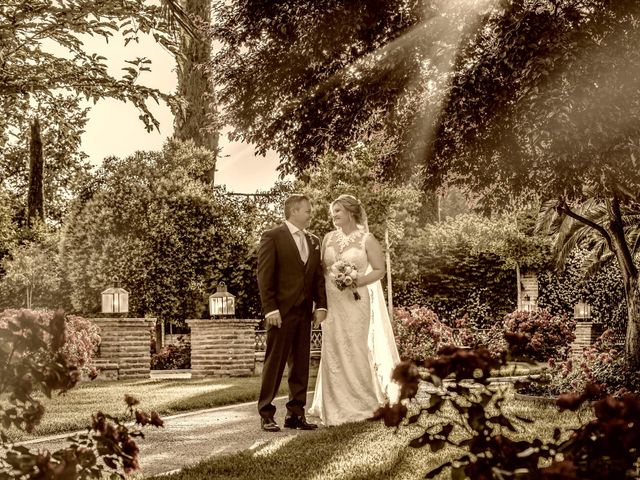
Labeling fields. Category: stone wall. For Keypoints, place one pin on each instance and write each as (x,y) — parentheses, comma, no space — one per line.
(222,347)
(125,347)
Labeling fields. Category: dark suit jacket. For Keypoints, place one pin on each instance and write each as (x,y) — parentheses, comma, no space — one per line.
(283,279)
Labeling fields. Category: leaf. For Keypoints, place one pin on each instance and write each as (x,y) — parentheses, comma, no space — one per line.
(420,441)
(436,471)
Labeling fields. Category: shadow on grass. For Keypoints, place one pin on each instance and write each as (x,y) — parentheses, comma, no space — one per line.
(352,451)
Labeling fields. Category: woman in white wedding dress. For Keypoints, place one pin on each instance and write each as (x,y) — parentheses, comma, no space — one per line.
(358,347)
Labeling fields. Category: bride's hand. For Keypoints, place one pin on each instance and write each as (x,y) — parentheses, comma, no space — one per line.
(318,317)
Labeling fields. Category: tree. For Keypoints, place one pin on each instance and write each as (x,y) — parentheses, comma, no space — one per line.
(548,101)
(197,119)
(29,29)
(46,72)
(65,167)
(35,201)
(506,99)
(31,269)
(150,221)
(304,80)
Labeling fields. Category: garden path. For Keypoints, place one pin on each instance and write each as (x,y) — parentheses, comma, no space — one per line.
(188,438)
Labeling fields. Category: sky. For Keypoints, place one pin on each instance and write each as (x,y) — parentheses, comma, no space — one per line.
(114,128)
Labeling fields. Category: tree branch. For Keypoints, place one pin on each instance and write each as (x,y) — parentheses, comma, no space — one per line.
(617,228)
(564,208)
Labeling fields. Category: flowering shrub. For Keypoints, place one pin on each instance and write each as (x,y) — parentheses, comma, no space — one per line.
(602,363)
(32,362)
(173,357)
(606,446)
(545,336)
(490,338)
(419,333)
(82,337)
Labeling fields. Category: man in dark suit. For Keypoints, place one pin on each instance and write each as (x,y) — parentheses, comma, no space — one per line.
(291,283)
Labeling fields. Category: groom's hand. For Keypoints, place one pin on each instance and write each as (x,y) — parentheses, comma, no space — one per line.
(318,317)
(273,320)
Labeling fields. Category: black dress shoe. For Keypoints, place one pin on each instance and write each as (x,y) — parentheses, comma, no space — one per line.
(299,422)
(269,424)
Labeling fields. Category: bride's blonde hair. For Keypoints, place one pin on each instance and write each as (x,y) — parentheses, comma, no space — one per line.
(352,205)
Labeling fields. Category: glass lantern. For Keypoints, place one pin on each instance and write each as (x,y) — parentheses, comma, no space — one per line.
(582,311)
(115,300)
(222,303)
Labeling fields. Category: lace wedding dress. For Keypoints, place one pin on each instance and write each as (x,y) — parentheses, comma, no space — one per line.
(358,347)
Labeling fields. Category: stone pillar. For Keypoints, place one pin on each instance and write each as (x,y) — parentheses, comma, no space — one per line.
(126,343)
(586,334)
(222,348)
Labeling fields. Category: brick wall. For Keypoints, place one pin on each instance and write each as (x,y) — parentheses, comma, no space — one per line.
(222,348)
(125,343)
(586,334)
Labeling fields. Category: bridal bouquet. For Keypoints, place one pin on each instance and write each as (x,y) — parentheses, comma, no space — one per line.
(344,275)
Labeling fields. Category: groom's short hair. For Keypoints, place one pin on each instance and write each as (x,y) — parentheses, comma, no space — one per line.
(292,203)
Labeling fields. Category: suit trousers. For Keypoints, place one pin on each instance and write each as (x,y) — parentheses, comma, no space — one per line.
(290,344)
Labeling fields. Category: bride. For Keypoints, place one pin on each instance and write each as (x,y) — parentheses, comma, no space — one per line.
(358,347)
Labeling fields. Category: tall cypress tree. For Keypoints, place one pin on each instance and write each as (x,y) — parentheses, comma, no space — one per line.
(35,199)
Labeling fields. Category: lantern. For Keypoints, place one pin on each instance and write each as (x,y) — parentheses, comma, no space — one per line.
(222,303)
(115,300)
(582,311)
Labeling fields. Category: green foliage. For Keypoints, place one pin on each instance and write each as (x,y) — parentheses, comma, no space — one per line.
(167,236)
(358,172)
(466,266)
(307,105)
(62,122)
(419,334)
(603,290)
(31,363)
(30,68)
(468,413)
(32,276)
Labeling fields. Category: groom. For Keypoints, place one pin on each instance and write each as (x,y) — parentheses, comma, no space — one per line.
(291,283)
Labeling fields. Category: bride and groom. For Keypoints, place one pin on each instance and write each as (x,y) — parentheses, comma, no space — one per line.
(299,281)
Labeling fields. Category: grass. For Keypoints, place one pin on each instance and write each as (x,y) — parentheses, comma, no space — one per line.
(72,411)
(360,451)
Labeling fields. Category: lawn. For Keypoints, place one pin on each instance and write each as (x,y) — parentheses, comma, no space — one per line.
(358,451)
(72,411)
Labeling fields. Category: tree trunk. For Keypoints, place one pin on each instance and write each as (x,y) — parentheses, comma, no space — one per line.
(632,340)
(35,200)
(629,274)
(197,121)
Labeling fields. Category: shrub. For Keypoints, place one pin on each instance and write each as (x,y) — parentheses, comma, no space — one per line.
(82,337)
(490,338)
(602,363)
(419,333)
(164,233)
(467,414)
(465,265)
(173,357)
(107,449)
(543,336)
(603,290)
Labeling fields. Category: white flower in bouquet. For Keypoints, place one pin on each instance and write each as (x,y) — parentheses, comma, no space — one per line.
(344,275)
